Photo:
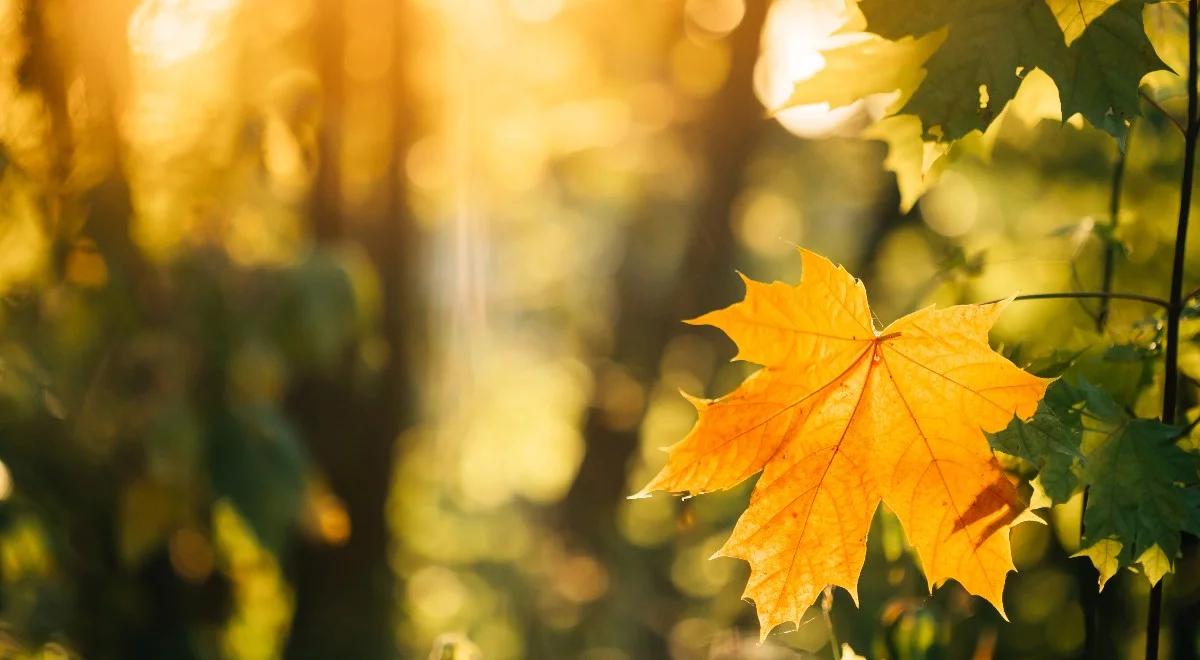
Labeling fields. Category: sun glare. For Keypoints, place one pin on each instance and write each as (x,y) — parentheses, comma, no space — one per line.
(165,32)
(795,34)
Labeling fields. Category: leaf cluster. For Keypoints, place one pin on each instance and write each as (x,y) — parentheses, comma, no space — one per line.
(1143,485)
(950,70)
(991,46)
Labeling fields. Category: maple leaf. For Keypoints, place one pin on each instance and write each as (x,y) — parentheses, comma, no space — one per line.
(1098,76)
(917,163)
(979,67)
(873,65)
(991,45)
(1073,16)
(843,416)
(1049,440)
(1145,488)
(1144,494)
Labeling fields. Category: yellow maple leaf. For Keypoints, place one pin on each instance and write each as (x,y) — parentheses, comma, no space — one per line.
(1105,556)
(872,65)
(843,416)
(916,162)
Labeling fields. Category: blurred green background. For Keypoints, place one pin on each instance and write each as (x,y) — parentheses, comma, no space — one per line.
(343,329)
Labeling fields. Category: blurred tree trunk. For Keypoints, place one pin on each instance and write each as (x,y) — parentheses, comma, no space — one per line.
(649,317)
(90,532)
(107,599)
(345,593)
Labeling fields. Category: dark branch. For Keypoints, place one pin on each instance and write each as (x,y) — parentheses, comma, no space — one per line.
(1067,295)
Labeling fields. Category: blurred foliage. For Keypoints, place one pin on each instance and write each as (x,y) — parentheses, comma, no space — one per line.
(229,228)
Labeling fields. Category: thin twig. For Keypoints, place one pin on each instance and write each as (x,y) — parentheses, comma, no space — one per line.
(1110,244)
(1187,430)
(1157,106)
(1088,593)
(1065,295)
(1191,294)
(1078,283)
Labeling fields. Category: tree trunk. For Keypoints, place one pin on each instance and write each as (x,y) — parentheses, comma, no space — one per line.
(345,593)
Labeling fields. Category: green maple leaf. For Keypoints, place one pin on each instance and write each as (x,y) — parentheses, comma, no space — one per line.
(1099,75)
(978,69)
(1144,488)
(1144,492)
(1050,440)
(990,45)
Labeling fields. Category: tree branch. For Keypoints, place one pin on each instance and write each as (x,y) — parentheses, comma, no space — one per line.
(1174,311)
(1103,295)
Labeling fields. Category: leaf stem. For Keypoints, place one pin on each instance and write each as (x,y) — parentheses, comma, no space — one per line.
(1171,359)
(1109,295)
(1111,247)
(1191,294)
(1187,430)
(826,609)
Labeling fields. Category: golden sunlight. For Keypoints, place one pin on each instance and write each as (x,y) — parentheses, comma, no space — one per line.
(795,34)
(165,32)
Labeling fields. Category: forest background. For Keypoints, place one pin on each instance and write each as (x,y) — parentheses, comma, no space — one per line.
(345,328)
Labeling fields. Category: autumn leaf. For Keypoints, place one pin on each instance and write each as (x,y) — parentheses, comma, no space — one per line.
(870,66)
(843,416)
(916,162)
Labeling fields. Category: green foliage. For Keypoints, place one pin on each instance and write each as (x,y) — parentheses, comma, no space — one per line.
(1099,74)
(990,46)
(191,428)
(1144,488)
(1050,440)
(162,410)
(1143,485)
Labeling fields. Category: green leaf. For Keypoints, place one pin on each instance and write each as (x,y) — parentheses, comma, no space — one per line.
(1144,491)
(1122,371)
(258,462)
(1144,487)
(1101,71)
(990,45)
(1050,440)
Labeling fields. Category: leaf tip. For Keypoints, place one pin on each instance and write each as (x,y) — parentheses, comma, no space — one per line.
(1028,516)
(698,403)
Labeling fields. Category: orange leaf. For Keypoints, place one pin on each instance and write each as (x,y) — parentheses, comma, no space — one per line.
(843,416)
